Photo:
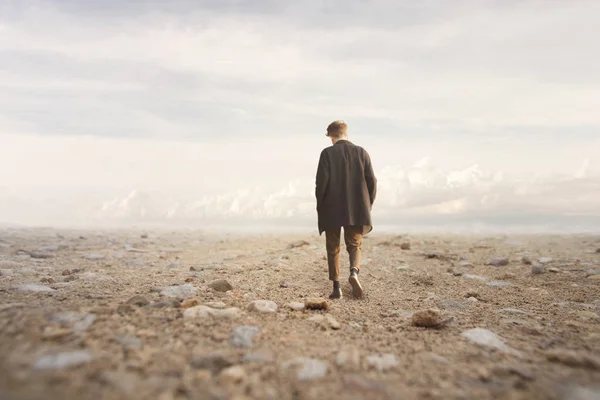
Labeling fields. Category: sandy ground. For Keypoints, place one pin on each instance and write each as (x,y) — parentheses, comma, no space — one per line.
(99,324)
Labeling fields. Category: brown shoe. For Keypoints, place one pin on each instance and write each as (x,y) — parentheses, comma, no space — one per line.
(357,290)
(337,292)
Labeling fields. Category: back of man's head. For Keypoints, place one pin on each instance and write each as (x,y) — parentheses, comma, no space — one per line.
(337,129)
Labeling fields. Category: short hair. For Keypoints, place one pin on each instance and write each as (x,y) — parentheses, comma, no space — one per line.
(337,129)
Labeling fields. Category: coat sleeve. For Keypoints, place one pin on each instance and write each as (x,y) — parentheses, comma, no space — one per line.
(322,179)
(370,178)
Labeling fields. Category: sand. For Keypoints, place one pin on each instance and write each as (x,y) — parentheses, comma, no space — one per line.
(187,315)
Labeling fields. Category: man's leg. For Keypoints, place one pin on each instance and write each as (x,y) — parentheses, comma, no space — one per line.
(332,244)
(353,238)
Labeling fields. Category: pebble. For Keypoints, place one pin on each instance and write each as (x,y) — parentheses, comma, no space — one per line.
(365,386)
(35,288)
(487,338)
(214,362)
(242,336)
(205,312)
(405,246)
(430,318)
(220,285)
(515,311)
(76,321)
(476,277)
(498,284)
(545,260)
(139,301)
(526,260)
(296,306)
(307,368)
(62,360)
(262,306)
(180,291)
(537,269)
(555,270)
(232,375)
(348,358)
(575,392)
(498,262)
(574,359)
(382,362)
(316,304)
(432,357)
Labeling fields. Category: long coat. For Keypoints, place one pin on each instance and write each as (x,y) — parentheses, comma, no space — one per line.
(345,187)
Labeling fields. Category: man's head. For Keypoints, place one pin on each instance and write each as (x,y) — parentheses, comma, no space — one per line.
(337,130)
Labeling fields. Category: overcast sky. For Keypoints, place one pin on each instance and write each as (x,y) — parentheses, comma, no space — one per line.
(194,110)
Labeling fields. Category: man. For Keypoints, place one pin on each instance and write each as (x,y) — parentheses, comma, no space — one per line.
(345,191)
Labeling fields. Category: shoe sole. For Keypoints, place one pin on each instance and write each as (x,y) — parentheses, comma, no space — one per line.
(357,290)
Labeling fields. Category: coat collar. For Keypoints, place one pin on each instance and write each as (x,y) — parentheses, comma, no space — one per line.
(342,141)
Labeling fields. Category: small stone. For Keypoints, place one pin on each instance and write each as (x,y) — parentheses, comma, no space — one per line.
(192,269)
(435,358)
(473,299)
(307,368)
(76,321)
(316,304)
(172,303)
(262,306)
(498,284)
(242,336)
(66,272)
(332,322)
(587,315)
(47,280)
(299,243)
(555,270)
(41,256)
(214,362)
(487,338)
(537,269)
(296,306)
(545,260)
(217,304)
(144,236)
(220,285)
(188,303)
(35,288)
(62,360)
(514,311)
(476,277)
(382,362)
(498,262)
(526,260)
(139,301)
(574,359)
(430,318)
(180,291)
(234,375)
(472,293)
(124,309)
(366,387)
(55,333)
(405,246)
(206,312)
(348,358)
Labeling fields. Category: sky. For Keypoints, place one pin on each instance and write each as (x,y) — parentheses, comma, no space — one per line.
(477,114)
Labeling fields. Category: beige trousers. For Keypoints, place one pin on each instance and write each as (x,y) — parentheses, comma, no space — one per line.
(353,238)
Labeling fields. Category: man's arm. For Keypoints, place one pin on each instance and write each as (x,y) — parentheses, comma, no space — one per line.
(322,179)
(370,178)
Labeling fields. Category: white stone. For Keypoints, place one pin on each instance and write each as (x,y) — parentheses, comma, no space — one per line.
(242,336)
(382,362)
(488,339)
(296,306)
(35,288)
(63,360)
(307,368)
(263,306)
(180,291)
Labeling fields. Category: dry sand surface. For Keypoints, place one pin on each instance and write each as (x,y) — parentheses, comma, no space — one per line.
(186,315)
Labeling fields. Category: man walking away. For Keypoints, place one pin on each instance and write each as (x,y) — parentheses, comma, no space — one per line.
(345,191)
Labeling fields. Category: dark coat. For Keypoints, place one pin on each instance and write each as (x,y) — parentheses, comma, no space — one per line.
(345,187)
